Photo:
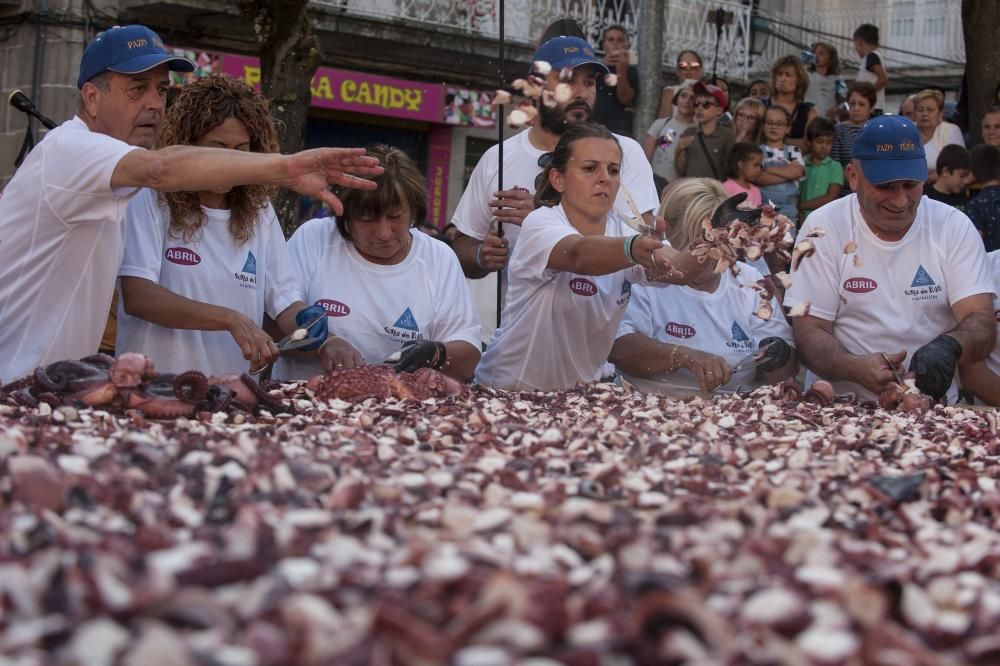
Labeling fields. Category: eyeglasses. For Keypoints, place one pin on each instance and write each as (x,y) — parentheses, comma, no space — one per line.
(688,65)
(746,116)
(705,104)
(776,123)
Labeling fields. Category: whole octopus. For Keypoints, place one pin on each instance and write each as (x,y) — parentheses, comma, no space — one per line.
(131,382)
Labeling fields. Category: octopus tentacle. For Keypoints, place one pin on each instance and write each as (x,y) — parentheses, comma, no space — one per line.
(99,360)
(17,385)
(51,399)
(47,383)
(257,389)
(191,386)
(24,398)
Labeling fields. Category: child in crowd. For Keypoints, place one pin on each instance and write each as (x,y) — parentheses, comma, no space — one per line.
(871,70)
(759,89)
(860,102)
(660,144)
(744,167)
(826,89)
(783,164)
(954,175)
(984,208)
(704,152)
(824,177)
(748,120)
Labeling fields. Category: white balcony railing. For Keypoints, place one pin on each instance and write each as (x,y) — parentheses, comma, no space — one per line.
(526,20)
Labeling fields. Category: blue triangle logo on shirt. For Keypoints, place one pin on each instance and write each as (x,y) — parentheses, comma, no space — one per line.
(251,264)
(739,335)
(922,278)
(407,321)
(626,287)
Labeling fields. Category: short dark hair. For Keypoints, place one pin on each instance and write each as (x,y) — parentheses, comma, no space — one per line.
(617,26)
(866,89)
(565,26)
(985,161)
(820,126)
(867,33)
(756,81)
(401,183)
(741,153)
(952,157)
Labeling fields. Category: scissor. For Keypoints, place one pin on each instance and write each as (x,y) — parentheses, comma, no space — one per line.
(288,343)
(758,358)
(892,366)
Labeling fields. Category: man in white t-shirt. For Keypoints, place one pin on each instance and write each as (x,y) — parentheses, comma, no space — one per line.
(480,250)
(896,275)
(61,233)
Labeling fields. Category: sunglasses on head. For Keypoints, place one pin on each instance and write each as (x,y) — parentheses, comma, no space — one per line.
(544,160)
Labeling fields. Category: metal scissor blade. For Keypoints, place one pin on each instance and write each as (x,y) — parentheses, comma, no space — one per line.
(892,366)
(757,359)
(287,341)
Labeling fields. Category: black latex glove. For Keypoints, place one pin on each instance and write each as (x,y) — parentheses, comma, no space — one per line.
(421,354)
(728,211)
(934,364)
(777,353)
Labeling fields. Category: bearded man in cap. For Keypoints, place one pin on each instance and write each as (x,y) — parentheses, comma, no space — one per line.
(897,276)
(61,232)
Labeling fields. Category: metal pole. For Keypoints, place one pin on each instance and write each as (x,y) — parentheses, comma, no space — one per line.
(650,48)
(500,122)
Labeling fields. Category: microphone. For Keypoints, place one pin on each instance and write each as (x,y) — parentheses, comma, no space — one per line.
(23,103)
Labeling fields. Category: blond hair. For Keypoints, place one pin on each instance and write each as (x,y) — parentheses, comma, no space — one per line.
(936,95)
(686,204)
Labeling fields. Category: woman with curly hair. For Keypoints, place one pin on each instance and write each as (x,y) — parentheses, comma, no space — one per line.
(201,269)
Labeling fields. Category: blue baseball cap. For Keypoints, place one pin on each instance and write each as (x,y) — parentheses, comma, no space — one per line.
(889,148)
(563,51)
(127,49)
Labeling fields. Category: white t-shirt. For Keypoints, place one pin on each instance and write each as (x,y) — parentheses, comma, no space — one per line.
(944,134)
(822,91)
(61,243)
(721,323)
(253,278)
(901,295)
(993,263)
(666,131)
(557,327)
(474,217)
(378,308)
(865,74)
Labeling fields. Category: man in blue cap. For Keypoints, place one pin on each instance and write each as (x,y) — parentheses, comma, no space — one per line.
(480,250)
(61,234)
(896,276)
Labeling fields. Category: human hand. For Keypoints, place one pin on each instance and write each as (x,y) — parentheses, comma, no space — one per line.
(317,331)
(311,172)
(777,352)
(493,253)
(710,370)
(256,345)
(685,142)
(512,206)
(934,365)
(418,354)
(874,373)
(338,354)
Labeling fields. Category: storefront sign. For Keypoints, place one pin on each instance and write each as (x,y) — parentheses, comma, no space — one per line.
(438,159)
(357,91)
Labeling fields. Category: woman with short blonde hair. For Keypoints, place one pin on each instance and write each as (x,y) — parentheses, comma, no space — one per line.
(935,132)
(682,340)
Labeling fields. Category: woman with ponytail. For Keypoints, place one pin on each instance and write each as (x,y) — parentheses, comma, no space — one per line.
(570,275)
